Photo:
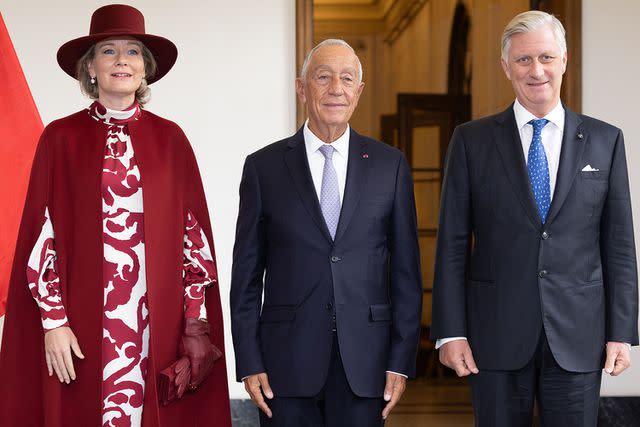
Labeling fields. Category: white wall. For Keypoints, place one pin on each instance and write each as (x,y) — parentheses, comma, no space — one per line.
(610,91)
(232,89)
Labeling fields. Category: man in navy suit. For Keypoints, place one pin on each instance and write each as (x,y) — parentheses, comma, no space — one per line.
(326,233)
(535,287)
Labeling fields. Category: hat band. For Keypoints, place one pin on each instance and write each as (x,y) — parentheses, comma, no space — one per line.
(120,30)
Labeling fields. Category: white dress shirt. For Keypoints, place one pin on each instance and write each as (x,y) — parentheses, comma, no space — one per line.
(551,136)
(315,157)
(552,143)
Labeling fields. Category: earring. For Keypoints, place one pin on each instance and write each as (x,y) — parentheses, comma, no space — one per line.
(93,80)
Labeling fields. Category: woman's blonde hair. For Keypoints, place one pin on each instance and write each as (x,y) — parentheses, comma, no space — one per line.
(91,89)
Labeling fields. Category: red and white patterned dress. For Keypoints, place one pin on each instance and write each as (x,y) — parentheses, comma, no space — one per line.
(125,344)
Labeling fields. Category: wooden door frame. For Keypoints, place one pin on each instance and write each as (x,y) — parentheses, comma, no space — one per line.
(570,13)
(304,43)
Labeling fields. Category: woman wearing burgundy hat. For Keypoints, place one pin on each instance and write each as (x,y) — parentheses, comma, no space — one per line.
(115,248)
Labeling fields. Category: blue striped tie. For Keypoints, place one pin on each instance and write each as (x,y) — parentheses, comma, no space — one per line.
(538,168)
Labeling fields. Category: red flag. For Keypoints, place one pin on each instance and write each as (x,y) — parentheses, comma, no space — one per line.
(20,128)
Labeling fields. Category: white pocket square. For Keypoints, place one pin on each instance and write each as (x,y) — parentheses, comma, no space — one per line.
(588,168)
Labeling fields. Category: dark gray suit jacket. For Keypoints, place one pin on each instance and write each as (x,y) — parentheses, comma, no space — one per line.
(369,277)
(501,276)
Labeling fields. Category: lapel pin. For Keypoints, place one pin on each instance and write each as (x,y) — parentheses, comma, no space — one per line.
(580,135)
(365,156)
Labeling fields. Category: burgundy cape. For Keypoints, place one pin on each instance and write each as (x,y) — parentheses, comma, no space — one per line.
(66,177)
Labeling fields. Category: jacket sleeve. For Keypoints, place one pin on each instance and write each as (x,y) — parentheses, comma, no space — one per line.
(198,269)
(247,275)
(452,247)
(617,247)
(195,207)
(405,276)
(43,279)
(214,393)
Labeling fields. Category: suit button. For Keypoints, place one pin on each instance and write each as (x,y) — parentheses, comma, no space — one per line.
(329,306)
(335,258)
(545,235)
(542,273)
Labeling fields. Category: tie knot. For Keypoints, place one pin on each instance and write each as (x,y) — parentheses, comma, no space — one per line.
(538,124)
(327,151)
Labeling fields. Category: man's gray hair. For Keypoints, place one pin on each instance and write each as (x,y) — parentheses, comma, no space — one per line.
(329,42)
(530,21)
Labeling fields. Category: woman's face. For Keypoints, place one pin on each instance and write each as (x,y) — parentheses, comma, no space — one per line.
(118,67)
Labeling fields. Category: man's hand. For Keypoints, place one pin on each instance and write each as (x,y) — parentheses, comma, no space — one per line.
(618,358)
(58,344)
(256,385)
(457,356)
(396,384)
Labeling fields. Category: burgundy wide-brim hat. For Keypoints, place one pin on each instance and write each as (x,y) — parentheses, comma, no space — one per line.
(118,20)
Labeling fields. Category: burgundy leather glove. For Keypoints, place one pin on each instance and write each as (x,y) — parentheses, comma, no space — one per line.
(196,345)
(182,369)
(174,380)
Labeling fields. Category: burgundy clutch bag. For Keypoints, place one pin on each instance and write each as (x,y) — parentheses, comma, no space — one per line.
(174,380)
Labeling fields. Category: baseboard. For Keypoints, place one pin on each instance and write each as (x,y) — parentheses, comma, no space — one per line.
(244,413)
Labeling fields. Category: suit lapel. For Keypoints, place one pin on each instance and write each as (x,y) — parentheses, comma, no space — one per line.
(356,177)
(509,146)
(573,143)
(295,157)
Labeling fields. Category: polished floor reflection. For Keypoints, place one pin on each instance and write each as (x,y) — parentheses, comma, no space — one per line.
(443,402)
(427,403)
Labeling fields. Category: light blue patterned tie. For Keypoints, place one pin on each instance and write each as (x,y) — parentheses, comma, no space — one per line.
(539,169)
(329,194)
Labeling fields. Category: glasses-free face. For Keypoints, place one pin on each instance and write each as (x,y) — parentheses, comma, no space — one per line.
(118,67)
(331,88)
(535,65)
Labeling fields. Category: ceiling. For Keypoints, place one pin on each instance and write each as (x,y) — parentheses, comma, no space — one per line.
(388,17)
(351,9)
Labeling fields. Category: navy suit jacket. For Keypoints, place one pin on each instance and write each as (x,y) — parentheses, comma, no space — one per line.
(369,277)
(501,276)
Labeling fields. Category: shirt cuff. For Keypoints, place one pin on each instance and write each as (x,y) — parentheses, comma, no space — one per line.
(628,345)
(398,373)
(442,341)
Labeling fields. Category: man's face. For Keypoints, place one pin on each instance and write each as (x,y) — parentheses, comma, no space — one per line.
(535,65)
(331,88)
